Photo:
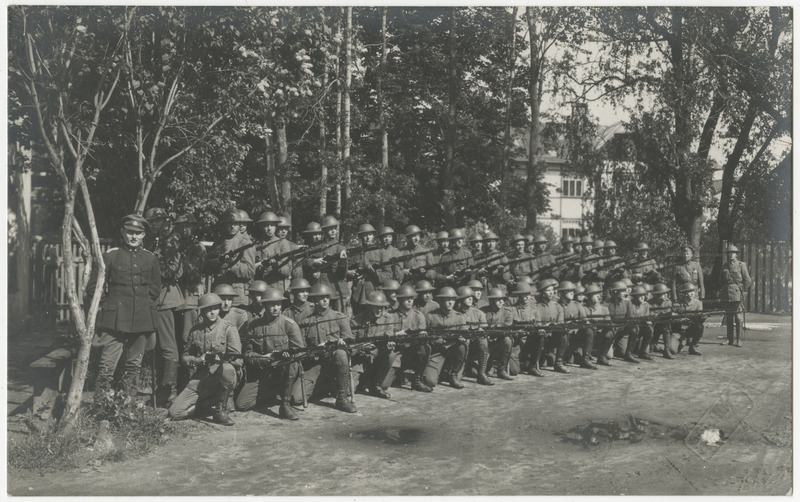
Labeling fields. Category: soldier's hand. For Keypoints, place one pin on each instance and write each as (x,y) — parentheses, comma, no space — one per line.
(318,261)
(316,275)
(421,270)
(341,342)
(390,345)
(461,339)
(343,254)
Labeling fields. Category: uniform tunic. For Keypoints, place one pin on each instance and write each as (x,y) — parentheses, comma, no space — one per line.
(299,313)
(688,273)
(275,277)
(415,263)
(239,273)
(735,281)
(427,307)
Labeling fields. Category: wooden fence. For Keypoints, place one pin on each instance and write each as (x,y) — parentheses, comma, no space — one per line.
(770,267)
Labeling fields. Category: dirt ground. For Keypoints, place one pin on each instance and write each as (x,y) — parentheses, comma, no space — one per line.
(645,428)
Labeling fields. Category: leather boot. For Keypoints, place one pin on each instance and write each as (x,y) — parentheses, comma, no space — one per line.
(454,376)
(603,360)
(502,374)
(693,351)
(629,357)
(585,363)
(286,412)
(483,360)
(343,401)
(418,385)
(221,412)
(559,367)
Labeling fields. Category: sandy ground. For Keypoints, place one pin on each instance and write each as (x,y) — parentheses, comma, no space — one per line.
(628,429)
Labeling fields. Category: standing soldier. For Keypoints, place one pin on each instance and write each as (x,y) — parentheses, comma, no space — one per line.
(193,256)
(688,272)
(735,283)
(368,262)
(495,274)
(231,263)
(440,254)
(586,268)
(544,262)
(476,246)
(267,268)
(447,357)
(389,252)
(213,376)
(331,264)
(262,336)
(131,285)
(458,259)
(420,266)
(566,246)
(523,265)
(171,297)
(498,315)
(325,326)
(646,269)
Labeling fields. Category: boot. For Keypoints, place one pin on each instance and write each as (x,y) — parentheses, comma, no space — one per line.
(221,412)
(454,376)
(483,379)
(378,391)
(629,357)
(559,367)
(502,374)
(585,363)
(471,371)
(286,412)
(644,355)
(693,351)
(418,385)
(455,380)
(343,401)
(603,361)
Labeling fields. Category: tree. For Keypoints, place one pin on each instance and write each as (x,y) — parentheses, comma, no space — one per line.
(67,67)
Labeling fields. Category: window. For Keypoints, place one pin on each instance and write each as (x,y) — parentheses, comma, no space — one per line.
(572,188)
(572,232)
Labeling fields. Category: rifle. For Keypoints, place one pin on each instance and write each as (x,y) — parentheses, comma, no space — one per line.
(228,255)
(479,265)
(307,251)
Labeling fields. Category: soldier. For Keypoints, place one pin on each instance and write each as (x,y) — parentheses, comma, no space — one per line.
(577,339)
(498,315)
(447,357)
(660,304)
(389,288)
(389,252)
(577,247)
(687,272)
(236,269)
(646,269)
(566,246)
(530,245)
(420,266)
(232,315)
(735,283)
(167,249)
(213,377)
(300,307)
(332,370)
(692,328)
(458,259)
(131,286)
(412,355)
(244,219)
(283,227)
(478,347)
(495,274)
(264,335)
(550,311)
(544,262)
(586,268)
(523,357)
(376,321)
(597,311)
(256,308)
(424,302)
(330,265)
(193,257)
(476,245)
(477,292)
(274,274)
(644,330)
(613,269)
(621,308)
(523,261)
(367,279)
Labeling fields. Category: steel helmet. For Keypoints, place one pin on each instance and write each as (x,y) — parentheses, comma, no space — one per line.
(283,221)
(230,216)
(566,286)
(618,285)
(209,300)
(272,295)
(243,216)
(647,287)
(517,238)
(638,291)
(731,249)
(313,228)
(521,288)
(476,238)
(592,289)
(299,283)
(642,246)
(660,288)
(412,230)
(567,240)
(377,299)
(405,291)
(524,278)
(268,218)
(688,286)
(185,219)
(386,231)
(546,283)
(389,285)
(442,236)
(539,239)
(329,221)
(366,228)
(628,282)
(464,292)
(586,240)
(455,234)
(598,244)
(496,293)
(490,236)
(224,290)
(475,284)
(423,286)
(579,290)
(320,289)
(528,237)
(610,244)
(447,292)
(258,287)
(156,213)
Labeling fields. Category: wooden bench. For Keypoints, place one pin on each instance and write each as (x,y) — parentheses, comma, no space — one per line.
(52,375)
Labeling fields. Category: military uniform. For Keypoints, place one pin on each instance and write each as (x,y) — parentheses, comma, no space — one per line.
(603,336)
(370,281)
(236,316)
(275,276)
(415,263)
(380,360)
(622,309)
(298,313)
(662,330)
(549,312)
(579,341)
(333,272)
(447,358)
(735,283)
(208,384)
(521,359)
(501,347)
(171,297)
(692,329)
(412,355)
(127,314)
(688,273)
(238,273)
(193,257)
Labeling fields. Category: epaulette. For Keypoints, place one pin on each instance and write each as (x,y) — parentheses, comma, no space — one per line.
(111,249)
(148,251)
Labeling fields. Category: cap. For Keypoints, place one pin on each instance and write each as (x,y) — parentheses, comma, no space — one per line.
(136,223)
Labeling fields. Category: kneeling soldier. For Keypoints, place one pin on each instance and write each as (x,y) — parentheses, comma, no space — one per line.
(214,375)
(498,315)
(265,335)
(372,322)
(447,357)
(478,355)
(690,329)
(578,339)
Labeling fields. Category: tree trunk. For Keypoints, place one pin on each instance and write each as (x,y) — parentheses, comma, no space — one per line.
(348,78)
(285,182)
(339,120)
(534,153)
(507,145)
(269,161)
(382,112)
(448,170)
(323,174)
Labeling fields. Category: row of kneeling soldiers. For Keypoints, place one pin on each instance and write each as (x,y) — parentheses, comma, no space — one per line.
(258,355)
